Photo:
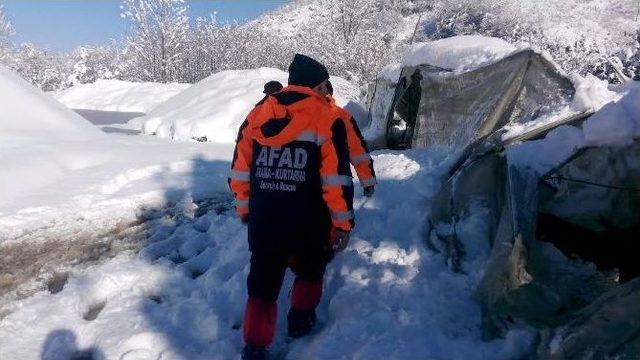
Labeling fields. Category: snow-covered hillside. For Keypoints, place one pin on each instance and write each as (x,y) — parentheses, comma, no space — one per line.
(216,106)
(286,21)
(116,95)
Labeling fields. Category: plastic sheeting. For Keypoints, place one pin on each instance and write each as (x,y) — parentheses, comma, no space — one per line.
(434,106)
(542,272)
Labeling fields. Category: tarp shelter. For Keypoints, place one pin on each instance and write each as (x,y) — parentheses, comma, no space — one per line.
(560,240)
(436,106)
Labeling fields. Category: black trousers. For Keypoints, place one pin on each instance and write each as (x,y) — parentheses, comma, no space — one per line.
(267,269)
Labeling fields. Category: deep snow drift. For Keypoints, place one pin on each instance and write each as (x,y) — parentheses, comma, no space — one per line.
(117,95)
(216,106)
(40,139)
(50,156)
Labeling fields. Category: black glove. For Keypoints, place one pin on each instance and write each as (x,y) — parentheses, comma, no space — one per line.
(339,239)
(244,219)
(369,190)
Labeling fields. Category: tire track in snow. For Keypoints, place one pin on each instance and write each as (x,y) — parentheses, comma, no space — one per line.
(42,259)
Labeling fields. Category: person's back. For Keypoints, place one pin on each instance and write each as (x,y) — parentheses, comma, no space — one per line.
(292,182)
(287,133)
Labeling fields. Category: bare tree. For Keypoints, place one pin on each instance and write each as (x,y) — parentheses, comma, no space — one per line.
(159,32)
(6,31)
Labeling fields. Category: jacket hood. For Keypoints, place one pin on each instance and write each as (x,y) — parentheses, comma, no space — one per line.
(283,116)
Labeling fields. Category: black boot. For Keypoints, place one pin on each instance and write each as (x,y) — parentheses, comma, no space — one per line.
(300,324)
(254,353)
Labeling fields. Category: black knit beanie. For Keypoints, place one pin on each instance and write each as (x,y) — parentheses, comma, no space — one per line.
(304,71)
(272,87)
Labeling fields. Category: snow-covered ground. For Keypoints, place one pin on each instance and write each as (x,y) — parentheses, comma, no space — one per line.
(216,106)
(182,296)
(128,247)
(117,95)
(167,279)
(56,165)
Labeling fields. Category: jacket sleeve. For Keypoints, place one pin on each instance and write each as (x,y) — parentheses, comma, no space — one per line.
(358,152)
(241,169)
(337,184)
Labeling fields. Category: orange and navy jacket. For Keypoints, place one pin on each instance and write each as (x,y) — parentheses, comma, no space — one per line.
(358,151)
(290,171)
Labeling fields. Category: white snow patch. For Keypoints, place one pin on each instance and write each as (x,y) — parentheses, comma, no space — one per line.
(57,167)
(543,155)
(27,110)
(396,166)
(117,95)
(617,123)
(591,93)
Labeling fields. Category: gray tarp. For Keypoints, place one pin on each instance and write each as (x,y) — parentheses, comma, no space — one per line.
(547,234)
(558,242)
(434,106)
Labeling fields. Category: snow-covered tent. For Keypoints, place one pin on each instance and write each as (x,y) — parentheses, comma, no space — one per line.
(455,91)
(550,189)
(559,206)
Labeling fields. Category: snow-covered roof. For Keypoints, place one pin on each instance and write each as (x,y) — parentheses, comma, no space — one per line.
(116,95)
(457,53)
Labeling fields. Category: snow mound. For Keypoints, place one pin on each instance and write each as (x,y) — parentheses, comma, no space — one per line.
(616,123)
(26,109)
(591,93)
(458,53)
(116,95)
(216,106)
(40,139)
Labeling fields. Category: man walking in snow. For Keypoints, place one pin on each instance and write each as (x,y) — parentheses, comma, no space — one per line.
(358,150)
(292,182)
